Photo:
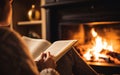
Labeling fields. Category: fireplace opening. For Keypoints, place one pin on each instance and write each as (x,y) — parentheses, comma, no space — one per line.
(97,41)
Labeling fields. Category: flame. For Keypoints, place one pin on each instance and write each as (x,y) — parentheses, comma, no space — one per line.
(99,44)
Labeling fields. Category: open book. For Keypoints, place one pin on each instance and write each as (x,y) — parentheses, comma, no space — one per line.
(57,48)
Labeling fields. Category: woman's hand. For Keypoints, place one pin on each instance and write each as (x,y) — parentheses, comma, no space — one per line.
(46,60)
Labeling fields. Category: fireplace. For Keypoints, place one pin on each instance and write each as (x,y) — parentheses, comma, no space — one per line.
(97,42)
(80,19)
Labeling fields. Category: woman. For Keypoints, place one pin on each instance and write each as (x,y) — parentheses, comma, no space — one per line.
(14,55)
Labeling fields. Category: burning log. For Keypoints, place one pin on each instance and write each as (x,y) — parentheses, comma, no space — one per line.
(114,54)
(114,57)
(111,57)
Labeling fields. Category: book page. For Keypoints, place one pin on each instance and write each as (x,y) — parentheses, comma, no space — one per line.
(59,48)
(36,46)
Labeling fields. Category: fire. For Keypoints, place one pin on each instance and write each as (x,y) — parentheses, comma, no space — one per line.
(99,44)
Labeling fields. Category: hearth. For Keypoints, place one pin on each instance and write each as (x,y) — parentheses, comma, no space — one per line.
(90,22)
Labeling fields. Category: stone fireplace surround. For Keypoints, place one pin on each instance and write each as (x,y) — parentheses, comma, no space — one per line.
(81,11)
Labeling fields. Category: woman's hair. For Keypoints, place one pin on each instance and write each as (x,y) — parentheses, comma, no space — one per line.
(4,9)
(15,59)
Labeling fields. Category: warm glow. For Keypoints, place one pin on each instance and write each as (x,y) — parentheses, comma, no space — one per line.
(99,44)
